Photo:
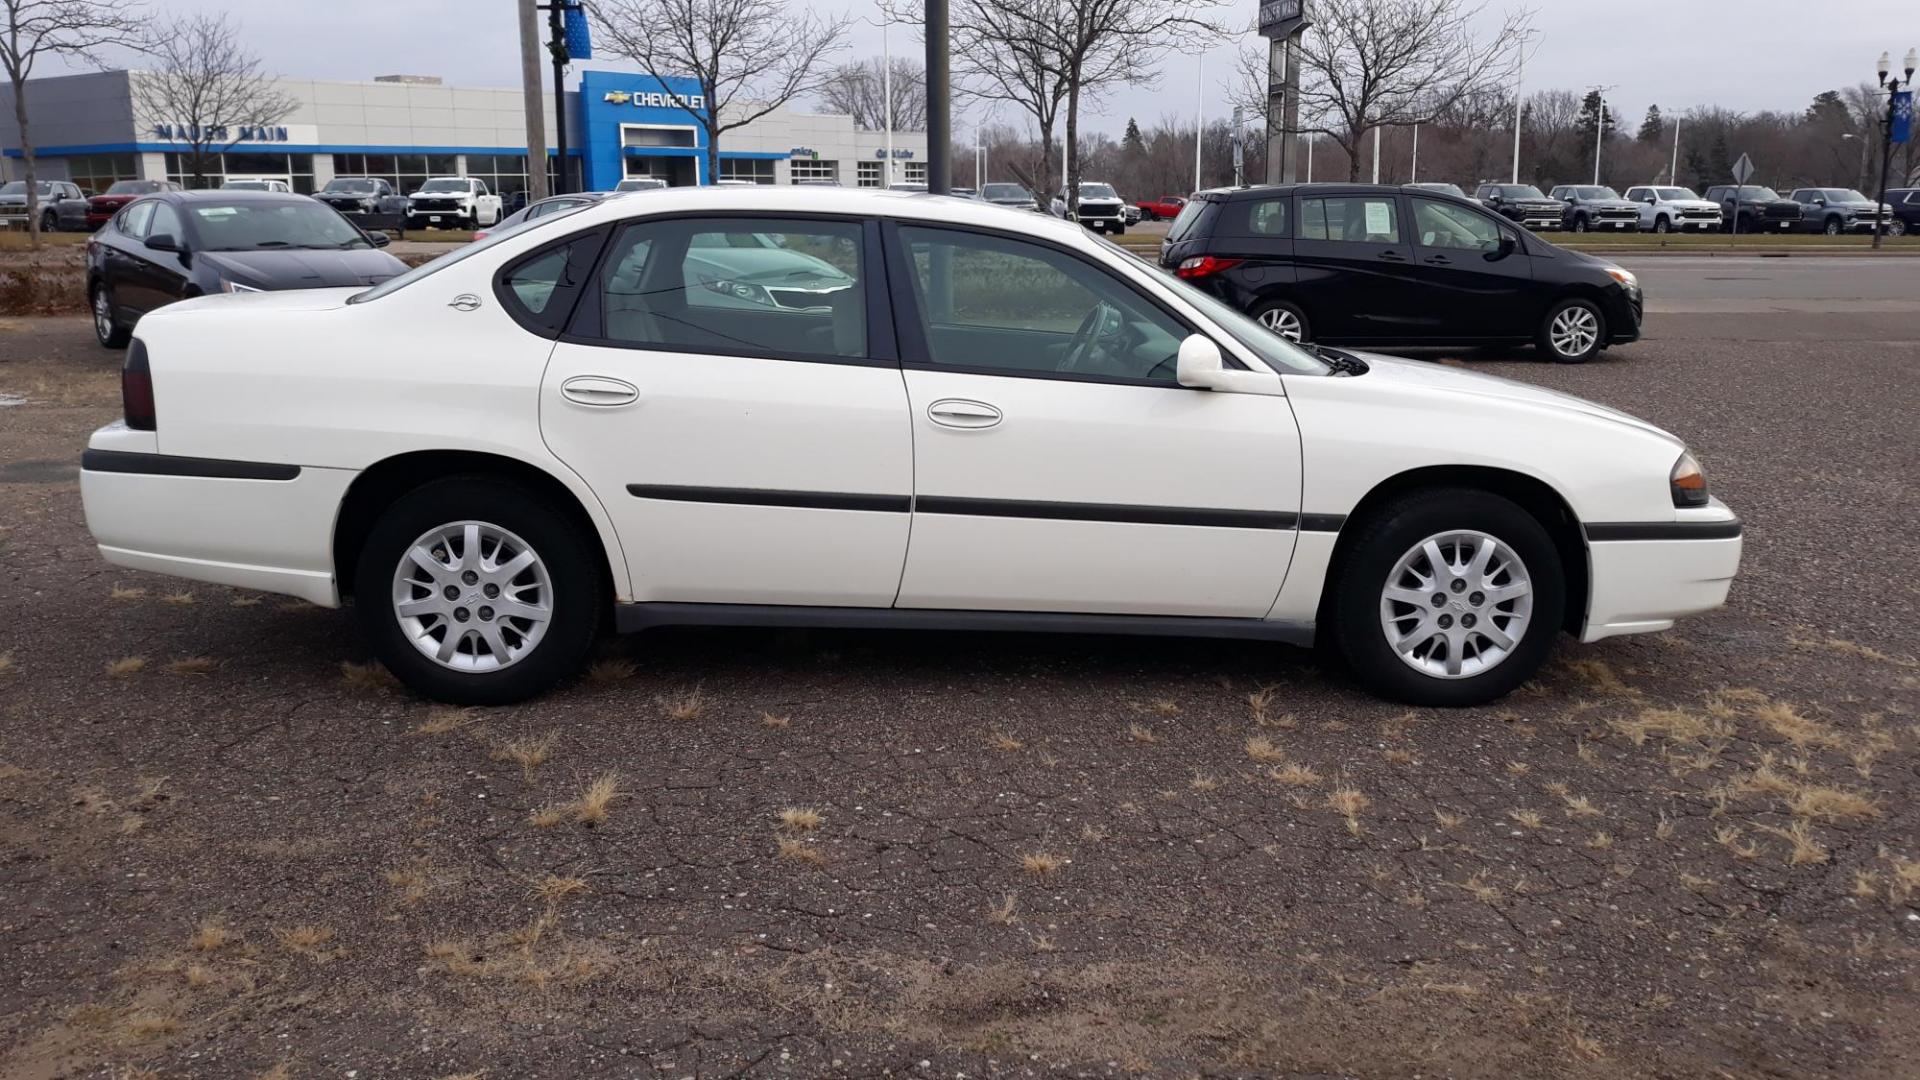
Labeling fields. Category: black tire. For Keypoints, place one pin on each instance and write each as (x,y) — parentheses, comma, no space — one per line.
(569,554)
(49,222)
(1580,223)
(1545,338)
(1832,227)
(106,329)
(1378,543)
(1119,230)
(1261,311)
(1662,225)
(1896,227)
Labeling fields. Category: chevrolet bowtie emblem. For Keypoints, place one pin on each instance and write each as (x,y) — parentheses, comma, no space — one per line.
(618,97)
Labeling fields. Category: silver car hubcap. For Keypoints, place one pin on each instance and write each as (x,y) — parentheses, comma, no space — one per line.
(472,597)
(1282,322)
(1574,331)
(102,314)
(1456,604)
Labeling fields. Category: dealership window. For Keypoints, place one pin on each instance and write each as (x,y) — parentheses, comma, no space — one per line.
(815,169)
(916,172)
(98,172)
(868,174)
(405,172)
(752,170)
(504,174)
(295,169)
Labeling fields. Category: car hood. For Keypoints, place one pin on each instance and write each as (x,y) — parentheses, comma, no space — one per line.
(300,269)
(356,196)
(1422,375)
(112,200)
(1611,204)
(20,200)
(1863,204)
(1691,204)
(767,266)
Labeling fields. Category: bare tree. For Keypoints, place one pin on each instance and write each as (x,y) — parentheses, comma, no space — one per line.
(860,90)
(205,90)
(750,57)
(73,29)
(1000,53)
(1391,63)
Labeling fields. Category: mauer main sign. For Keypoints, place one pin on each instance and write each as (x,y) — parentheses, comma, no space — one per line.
(222,133)
(1282,18)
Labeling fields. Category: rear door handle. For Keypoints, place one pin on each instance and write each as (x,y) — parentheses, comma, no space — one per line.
(963,413)
(1440,260)
(599,391)
(1393,256)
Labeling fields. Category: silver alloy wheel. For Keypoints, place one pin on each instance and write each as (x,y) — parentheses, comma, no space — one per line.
(1896,227)
(1281,321)
(1574,330)
(102,314)
(1456,604)
(472,597)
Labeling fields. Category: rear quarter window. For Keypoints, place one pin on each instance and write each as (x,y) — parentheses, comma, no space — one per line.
(1188,223)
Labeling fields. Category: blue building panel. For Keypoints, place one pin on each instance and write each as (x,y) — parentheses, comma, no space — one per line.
(609,99)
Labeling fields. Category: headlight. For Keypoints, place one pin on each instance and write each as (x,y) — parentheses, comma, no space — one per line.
(740,290)
(1624,277)
(1687,483)
(227,285)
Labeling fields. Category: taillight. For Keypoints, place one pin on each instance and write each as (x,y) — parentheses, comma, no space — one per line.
(1201,266)
(136,389)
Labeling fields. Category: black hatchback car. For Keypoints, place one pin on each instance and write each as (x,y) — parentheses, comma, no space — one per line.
(1369,265)
(176,244)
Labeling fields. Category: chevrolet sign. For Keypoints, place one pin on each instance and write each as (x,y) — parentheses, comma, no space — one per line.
(655,99)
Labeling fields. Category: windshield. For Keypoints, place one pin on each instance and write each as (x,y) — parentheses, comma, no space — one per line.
(1005,191)
(246,185)
(19,187)
(1519,191)
(352,186)
(1098,191)
(1594,193)
(639,184)
(134,187)
(445,185)
(267,226)
(1845,195)
(460,254)
(1671,193)
(1283,355)
(1753,192)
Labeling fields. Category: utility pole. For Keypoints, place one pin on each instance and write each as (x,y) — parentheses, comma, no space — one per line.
(1673,170)
(1199,112)
(1519,79)
(557,52)
(530,95)
(1376,153)
(939,100)
(1414,178)
(1599,129)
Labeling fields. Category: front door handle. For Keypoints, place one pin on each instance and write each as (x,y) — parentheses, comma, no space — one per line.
(1440,260)
(1393,256)
(962,413)
(599,391)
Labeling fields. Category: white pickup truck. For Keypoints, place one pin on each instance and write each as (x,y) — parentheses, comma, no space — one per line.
(453,201)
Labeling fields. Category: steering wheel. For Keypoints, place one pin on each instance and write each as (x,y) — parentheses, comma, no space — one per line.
(1090,331)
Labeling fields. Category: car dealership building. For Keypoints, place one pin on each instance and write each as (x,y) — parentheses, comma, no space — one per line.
(89,129)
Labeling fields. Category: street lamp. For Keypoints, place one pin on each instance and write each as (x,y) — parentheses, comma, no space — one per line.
(1895,102)
(886,80)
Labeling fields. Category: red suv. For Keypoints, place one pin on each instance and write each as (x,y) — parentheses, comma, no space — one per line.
(101,208)
(1166,206)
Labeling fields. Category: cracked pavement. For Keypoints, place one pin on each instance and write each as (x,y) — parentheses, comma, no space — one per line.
(1686,855)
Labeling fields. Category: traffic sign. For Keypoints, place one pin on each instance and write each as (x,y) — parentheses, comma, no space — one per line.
(1743,169)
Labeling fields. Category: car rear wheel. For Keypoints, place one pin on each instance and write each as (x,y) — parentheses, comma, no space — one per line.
(1284,319)
(111,334)
(1573,331)
(1448,597)
(475,591)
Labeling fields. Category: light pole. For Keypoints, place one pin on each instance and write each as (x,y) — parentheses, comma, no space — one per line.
(886,83)
(1414,176)
(1599,129)
(1519,72)
(1199,111)
(1673,170)
(1894,101)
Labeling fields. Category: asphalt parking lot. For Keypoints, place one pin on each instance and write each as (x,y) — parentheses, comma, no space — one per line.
(230,848)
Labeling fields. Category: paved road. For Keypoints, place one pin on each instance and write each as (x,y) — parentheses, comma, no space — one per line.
(1733,285)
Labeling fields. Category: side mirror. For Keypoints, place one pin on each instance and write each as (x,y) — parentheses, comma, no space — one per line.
(163,242)
(1819,202)
(378,239)
(1503,247)
(1201,367)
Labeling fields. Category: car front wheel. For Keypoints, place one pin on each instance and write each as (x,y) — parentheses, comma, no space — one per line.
(1833,227)
(1448,597)
(1896,227)
(111,334)
(474,591)
(1661,225)
(1573,331)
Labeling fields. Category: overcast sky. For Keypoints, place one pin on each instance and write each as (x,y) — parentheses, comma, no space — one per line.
(1750,55)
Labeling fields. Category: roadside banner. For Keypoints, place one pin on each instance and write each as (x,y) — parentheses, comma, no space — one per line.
(1902,113)
(579,38)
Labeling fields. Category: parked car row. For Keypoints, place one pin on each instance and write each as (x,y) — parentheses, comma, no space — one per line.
(784,406)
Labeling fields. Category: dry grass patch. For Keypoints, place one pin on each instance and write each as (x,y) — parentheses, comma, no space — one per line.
(6,662)
(125,666)
(597,799)
(1264,750)
(1003,912)
(1348,802)
(800,819)
(1805,849)
(305,940)
(1203,783)
(1600,841)
(127,592)
(1527,819)
(193,665)
(689,705)
(553,888)
(1293,774)
(794,849)
(1729,837)
(1665,828)
(1448,819)
(1164,707)
(1832,804)
(178,599)
(1142,734)
(210,935)
(1398,756)
(546,817)
(1673,725)
(445,719)
(1599,676)
(1478,887)
(1041,864)
(611,670)
(1785,721)
(1518,768)
(150,1025)
(526,751)
(245,601)
(775,723)
(1001,740)
(368,678)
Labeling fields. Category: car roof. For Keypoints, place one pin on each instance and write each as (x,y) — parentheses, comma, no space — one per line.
(848,202)
(1268,191)
(227,195)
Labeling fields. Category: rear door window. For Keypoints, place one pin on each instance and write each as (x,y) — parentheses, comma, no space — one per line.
(134,222)
(1352,219)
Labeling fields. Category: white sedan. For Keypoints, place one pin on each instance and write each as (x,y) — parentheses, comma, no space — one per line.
(775,406)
